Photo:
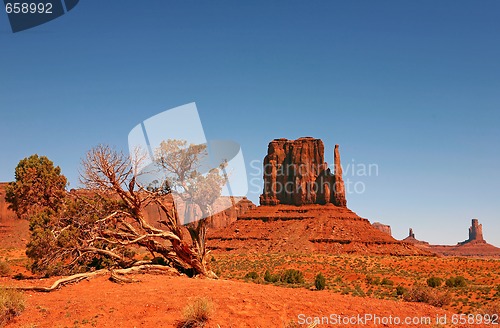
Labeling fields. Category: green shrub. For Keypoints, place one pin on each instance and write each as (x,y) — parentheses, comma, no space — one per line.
(197,313)
(434,282)
(320,282)
(292,276)
(458,281)
(4,269)
(373,280)
(387,282)
(252,275)
(271,277)
(400,290)
(427,295)
(11,304)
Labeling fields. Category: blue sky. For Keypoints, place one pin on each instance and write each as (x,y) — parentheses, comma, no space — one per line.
(413,87)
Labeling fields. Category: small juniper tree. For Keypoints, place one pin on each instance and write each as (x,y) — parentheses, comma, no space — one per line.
(320,281)
(39,186)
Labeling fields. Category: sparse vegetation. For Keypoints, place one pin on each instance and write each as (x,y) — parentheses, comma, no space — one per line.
(427,295)
(373,280)
(197,313)
(387,282)
(269,277)
(252,275)
(400,290)
(458,281)
(492,309)
(434,282)
(292,276)
(363,275)
(320,281)
(4,269)
(11,304)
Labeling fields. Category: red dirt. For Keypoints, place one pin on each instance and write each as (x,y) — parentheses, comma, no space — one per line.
(157,301)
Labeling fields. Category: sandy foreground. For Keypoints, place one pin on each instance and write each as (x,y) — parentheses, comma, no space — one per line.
(158,301)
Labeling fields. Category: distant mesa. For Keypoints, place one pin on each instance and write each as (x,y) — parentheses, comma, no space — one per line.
(382,227)
(475,246)
(412,240)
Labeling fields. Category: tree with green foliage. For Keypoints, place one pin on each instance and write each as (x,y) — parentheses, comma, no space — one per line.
(39,187)
(320,281)
(458,281)
(38,194)
(434,282)
(292,276)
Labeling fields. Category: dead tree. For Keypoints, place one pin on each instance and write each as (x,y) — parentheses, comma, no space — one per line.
(111,174)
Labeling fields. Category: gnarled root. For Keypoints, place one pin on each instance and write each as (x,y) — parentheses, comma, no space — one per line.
(116,276)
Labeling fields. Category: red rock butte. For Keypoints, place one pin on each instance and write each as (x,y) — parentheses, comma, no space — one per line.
(295,173)
(304,209)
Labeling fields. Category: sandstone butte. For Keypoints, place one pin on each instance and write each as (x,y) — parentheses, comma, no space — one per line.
(303,208)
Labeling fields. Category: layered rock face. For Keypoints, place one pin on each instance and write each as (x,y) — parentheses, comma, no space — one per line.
(309,228)
(295,173)
(382,227)
(475,233)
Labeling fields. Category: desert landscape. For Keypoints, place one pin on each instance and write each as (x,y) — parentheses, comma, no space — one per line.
(249,164)
(299,258)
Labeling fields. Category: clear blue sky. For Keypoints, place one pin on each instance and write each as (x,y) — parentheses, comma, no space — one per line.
(412,86)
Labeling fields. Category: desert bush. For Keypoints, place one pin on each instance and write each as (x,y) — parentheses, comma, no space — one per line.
(197,313)
(373,280)
(4,269)
(427,295)
(269,277)
(292,276)
(11,304)
(458,281)
(252,275)
(434,282)
(387,282)
(400,290)
(320,282)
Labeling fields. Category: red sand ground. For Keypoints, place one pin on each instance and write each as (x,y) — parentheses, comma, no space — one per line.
(157,301)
